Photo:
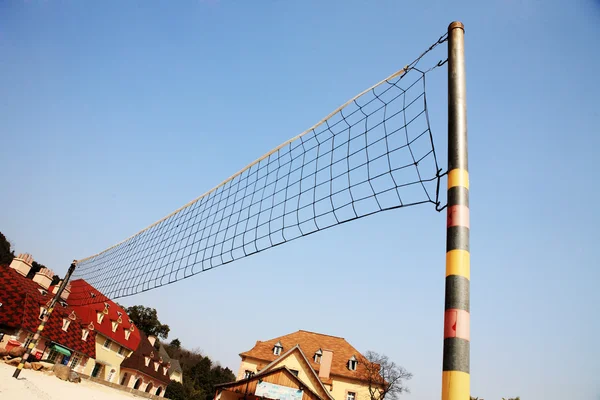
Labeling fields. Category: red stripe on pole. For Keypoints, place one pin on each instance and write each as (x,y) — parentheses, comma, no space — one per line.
(457,324)
(458,216)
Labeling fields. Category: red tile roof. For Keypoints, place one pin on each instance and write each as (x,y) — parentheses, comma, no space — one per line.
(310,342)
(88,307)
(137,361)
(21,301)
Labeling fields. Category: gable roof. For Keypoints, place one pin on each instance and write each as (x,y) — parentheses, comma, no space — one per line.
(258,377)
(311,369)
(310,343)
(88,307)
(21,300)
(174,363)
(137,361)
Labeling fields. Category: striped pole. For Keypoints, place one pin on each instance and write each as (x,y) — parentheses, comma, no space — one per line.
(45,318)
(456,373)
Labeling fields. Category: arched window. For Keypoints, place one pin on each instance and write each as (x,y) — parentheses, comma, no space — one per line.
(124,380)
(159,391)
(149,387)
(137,384)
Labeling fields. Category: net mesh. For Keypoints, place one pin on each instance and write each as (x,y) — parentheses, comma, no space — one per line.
(374,153)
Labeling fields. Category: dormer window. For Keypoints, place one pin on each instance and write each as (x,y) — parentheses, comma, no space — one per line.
(147,360)
(317,356)
(84,334)
(156,365)
(165,370)
(99,317)
(277,349)
(42,313)
(127,333)
(43,292)
(115,325)
(92,294)
(352,363)
(66,323)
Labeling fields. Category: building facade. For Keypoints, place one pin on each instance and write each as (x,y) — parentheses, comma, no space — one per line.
(66,338)
(326,366)
(145,369)
(116,336)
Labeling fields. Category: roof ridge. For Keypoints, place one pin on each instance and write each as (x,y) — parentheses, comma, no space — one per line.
(320,334)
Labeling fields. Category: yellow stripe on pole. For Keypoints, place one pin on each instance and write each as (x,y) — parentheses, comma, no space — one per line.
(458,177)
(40,328)
(458,262)
(20,366)
(456,385)
(31,345)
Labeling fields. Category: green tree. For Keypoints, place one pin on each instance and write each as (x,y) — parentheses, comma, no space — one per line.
(146,319)
(175,343)
(175,391)
(6,253)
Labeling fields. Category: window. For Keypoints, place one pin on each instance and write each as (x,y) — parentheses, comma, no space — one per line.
(352,363)
(99,316)
(156,366)
(115,325)
(42,313)
(52,356)
(75,360)
(165,370)
(317,356)
(277,349)
(147,359)
(84,334)
(350,396)
(107,344)
(66,324)
(121,350)
(127,333)
(293,371)
(248,374)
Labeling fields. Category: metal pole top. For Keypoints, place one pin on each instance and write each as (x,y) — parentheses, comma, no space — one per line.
(456,24)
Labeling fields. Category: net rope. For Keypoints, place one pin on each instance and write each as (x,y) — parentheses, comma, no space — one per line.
(373,153)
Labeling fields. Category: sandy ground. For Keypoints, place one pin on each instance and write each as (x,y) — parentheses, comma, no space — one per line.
(36,385)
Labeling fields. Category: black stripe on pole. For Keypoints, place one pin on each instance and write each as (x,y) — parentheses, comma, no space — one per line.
(458,196)
(456,355)
(457,238)
(457,293)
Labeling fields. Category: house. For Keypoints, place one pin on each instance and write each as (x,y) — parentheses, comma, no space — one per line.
(300,366)
(66,337)
(145,369)
(116,336)
(175,371)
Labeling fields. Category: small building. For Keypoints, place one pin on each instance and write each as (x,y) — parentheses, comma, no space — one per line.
(145,369)
(66,337)
(326,365)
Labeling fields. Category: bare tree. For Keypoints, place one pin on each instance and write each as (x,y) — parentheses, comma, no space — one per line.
(385,378)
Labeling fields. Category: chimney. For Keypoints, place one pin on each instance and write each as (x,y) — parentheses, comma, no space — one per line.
(65,294)
(44,277)
(22,263)
(326,360)
(152,339)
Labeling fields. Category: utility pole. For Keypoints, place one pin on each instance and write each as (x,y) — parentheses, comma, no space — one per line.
(457,339)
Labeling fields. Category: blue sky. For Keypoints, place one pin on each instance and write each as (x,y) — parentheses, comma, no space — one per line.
(113,114)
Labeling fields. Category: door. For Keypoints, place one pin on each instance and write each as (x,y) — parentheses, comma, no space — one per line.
(96,370)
